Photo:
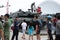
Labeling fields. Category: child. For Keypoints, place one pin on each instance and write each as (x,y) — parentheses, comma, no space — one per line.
(30,30)
(24,25)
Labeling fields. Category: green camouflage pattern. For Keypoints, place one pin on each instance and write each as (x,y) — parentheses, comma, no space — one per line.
(6,30)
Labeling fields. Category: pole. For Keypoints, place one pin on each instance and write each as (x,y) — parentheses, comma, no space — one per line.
(7,6)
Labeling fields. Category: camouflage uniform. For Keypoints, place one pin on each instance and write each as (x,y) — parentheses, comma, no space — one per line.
(6,30)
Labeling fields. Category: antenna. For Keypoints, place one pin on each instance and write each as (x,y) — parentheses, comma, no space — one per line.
(7,9)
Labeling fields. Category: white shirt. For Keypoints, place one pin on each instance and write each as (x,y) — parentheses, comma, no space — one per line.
(24,25)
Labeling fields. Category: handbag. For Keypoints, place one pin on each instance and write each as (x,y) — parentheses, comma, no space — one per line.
(12,27)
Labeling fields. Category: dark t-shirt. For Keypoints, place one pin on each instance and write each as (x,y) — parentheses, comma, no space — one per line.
(35,22)
(15,25)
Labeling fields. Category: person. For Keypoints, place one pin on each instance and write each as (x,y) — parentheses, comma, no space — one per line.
(58,27)
(38,10)
(34,21)
(54,20)
(33,8)
(16,28)
(6,27)
(49,27)
(2,19)
(36,26)
(1,29)
(24,25)
(30,30)
(37,30)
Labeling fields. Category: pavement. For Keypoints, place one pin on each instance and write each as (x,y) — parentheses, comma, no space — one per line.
(43,37)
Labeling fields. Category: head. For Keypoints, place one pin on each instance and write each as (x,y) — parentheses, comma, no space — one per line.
(31,23)
(24,20)
(58,16)
(35,17)
(38,7)
(54,15)
(2,16)
(17,18)
(6,16)
(34,2)
(49,19)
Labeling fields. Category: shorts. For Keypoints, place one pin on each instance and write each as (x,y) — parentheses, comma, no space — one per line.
(24,30)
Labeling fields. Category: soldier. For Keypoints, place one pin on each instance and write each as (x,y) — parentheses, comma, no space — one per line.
(6,27)
(33,8)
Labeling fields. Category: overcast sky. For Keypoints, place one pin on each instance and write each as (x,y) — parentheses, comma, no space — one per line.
(20,4)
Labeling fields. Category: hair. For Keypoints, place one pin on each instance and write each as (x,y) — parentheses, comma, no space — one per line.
(54,15)
(17,17)
(7,15)
(49,19)
(36,16)
(24,20)
(0,19)
(58,15)
(31,24)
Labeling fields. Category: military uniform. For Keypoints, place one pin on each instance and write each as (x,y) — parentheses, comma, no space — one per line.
(6,30)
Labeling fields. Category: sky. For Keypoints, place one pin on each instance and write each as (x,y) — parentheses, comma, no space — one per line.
(20,4)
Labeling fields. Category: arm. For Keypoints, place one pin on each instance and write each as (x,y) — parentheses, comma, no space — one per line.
(36,28)
(18,24)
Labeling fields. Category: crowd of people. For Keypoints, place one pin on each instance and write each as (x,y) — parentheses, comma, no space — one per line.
(33,25)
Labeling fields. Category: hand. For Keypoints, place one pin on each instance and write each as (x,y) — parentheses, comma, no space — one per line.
(18,25)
